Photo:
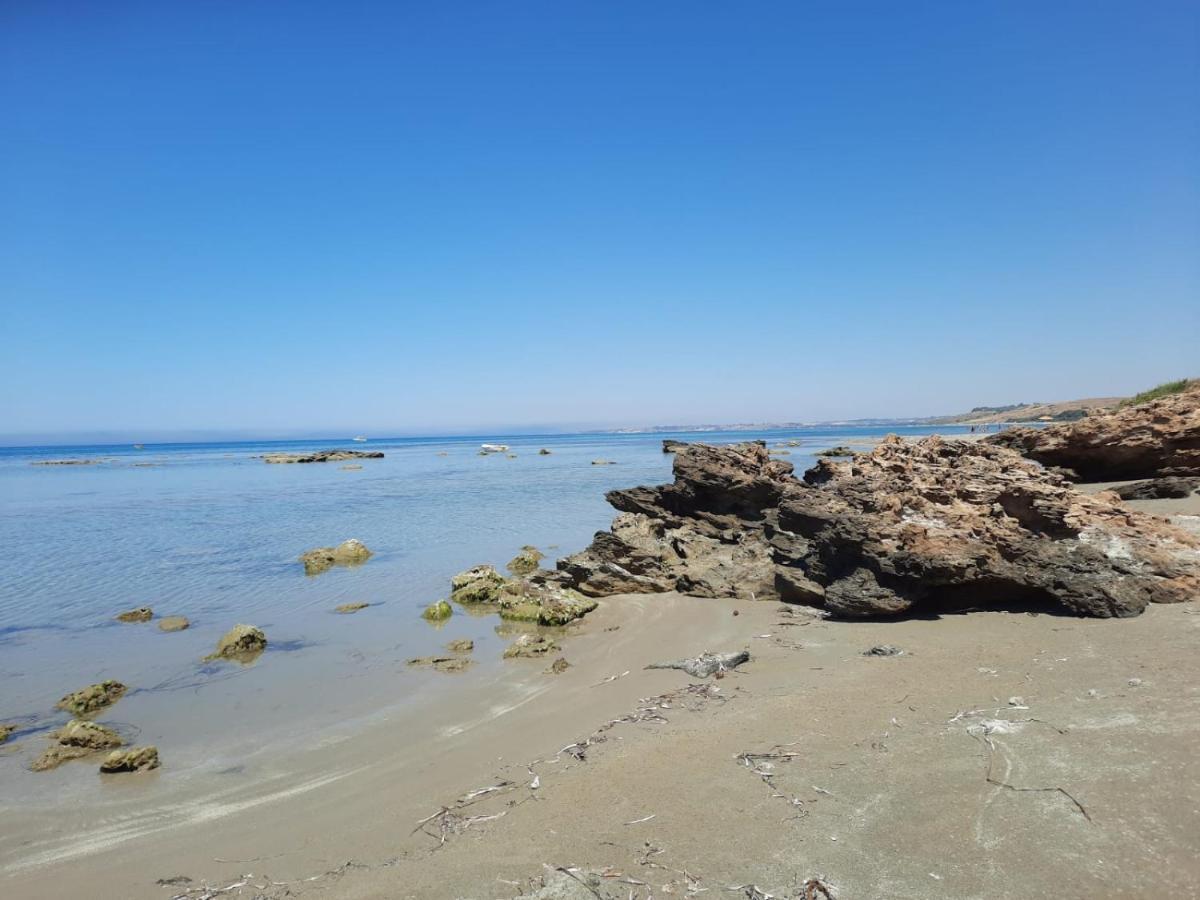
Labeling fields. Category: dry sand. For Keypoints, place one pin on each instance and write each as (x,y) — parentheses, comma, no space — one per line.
(1087,727)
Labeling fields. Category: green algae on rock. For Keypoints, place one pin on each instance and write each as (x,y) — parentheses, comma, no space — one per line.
(438,612)
(526,562)
(479,584)
(92,698)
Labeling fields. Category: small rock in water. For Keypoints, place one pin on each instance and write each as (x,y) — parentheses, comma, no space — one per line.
(443,663)
(462,645)
(242,643)
(883,650)
(348,553)
(135,759)
(559,666)
(437,612)
(5,731)
(76,739)
(140,614)
(526,562)
(479,584)
(92,698)
(603,462)
(529,646)
(544,452)
(353,468)
(350,607)
(173,623)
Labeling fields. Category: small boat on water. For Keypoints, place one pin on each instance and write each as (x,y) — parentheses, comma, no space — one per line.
(362,438)
(494,448)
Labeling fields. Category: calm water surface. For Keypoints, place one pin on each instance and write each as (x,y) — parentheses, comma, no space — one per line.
(210,532)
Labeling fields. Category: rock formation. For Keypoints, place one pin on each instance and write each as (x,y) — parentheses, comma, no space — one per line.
(1170,487)
(92,698)
(75,740)
(541,598)
(140,614)
(135,759)
(909,527)
(348,553)
(526,562)
(321,456)
(1150,440)
(242,643)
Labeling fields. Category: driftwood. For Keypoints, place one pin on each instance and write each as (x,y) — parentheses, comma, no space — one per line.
(706,663)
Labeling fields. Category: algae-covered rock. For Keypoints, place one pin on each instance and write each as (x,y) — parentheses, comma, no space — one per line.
(241,643)
(346,608)
(530,646)
(140,614)
(437,612)
(348,553)
(92,698)
(546,604)
(75,740)
(526,562)
(173,623)
(135,759)
(442,663)
(6,731)
(479,584)
(462,645)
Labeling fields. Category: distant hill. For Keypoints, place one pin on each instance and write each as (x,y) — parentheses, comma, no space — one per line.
(1066,411)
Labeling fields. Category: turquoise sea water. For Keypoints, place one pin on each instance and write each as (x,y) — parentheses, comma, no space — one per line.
(211,532)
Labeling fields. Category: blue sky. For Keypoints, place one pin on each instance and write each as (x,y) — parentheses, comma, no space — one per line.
(390,217)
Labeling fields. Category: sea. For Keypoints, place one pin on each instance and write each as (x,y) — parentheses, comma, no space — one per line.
(211,532)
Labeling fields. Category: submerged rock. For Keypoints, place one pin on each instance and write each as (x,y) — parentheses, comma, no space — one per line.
(348,553)
(442,663)
(910,526)
(1172,487)
(526,562)
(353,468)
(437,612)
(242,643)
(530,646)
(92,698)
(346,608)
(135,759)
(462,645)
(479,584)
(173,623)
(1150,440)
(140,614)
(321,456)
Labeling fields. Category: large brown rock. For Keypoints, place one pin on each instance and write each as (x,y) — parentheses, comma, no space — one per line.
(1150,440)
(910,527)
(93,698)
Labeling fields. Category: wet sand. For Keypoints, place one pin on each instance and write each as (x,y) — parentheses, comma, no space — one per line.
(1086,729)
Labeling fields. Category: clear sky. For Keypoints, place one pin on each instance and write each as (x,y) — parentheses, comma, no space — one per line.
(387,217)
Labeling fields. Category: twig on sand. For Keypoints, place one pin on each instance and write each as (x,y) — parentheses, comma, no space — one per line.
(643,819)
(611,678)
(990,778)
(763,765)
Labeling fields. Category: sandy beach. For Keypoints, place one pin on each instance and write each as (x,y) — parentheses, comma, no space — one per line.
(1000,754)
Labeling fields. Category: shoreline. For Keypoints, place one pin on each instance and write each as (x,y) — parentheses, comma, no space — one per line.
(876,774)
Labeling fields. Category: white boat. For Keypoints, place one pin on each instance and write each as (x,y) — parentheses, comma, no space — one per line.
(494,448)
(362,438)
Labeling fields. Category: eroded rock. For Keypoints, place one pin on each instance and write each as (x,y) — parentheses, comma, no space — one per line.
(530,646)
(75,740)
(348,553)
(1150,440)
(135,759)
(1172,487)
(140,614)
(242,643)
(92,698)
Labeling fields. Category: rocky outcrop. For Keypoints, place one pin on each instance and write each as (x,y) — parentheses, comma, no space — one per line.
(348,553)
(135,759)
(92,698)
(1172,487)
(140,614)
(321,456)
(909,527)
(242,643)
(540,599)
(1150,440)
(75,740)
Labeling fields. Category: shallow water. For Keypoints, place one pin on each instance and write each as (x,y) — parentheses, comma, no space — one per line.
(211,532)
